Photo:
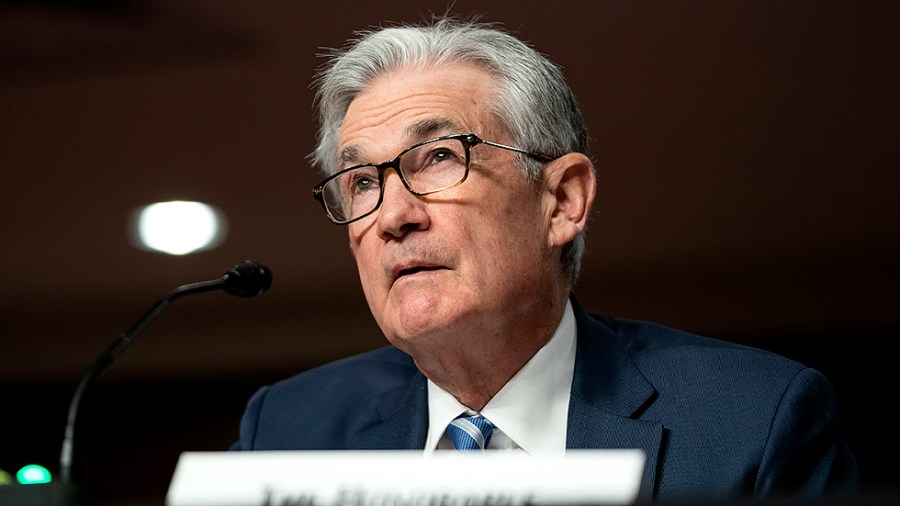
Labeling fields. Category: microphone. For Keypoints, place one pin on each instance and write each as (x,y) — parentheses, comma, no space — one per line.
(247,279)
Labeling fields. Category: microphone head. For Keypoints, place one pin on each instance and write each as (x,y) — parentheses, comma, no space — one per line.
(247,279)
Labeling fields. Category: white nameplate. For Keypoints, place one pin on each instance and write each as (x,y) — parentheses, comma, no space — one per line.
(404,478)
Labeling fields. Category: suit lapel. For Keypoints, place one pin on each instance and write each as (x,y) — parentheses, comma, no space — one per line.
(608,394)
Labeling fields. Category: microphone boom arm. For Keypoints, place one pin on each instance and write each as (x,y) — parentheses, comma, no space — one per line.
(247,280)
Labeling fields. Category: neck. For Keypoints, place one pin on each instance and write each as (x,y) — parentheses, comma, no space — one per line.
(474,373)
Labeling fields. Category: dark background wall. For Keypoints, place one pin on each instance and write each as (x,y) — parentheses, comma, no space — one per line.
(747,155)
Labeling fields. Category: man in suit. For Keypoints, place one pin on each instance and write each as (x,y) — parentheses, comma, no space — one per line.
(468,242)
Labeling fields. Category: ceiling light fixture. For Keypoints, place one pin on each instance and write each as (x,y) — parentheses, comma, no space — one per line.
(178,227)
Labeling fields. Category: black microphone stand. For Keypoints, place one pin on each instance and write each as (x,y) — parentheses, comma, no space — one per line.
(107,357)
(247,279)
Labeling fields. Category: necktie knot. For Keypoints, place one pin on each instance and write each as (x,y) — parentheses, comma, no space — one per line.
(470,433)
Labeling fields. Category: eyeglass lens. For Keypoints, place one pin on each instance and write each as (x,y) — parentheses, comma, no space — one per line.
(426,168)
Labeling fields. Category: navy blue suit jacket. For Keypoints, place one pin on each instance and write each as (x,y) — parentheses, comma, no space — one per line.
(715,419)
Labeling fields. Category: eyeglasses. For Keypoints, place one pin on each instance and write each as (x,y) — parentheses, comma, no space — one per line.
(427,167)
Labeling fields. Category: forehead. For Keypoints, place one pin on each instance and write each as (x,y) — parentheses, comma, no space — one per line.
(408,105)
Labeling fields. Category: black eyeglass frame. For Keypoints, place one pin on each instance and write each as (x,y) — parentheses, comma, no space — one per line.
(467,140)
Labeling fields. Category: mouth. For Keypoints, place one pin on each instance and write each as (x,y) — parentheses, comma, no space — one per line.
(414,269)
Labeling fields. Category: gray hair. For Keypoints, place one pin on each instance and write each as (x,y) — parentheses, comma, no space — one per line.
(534,103)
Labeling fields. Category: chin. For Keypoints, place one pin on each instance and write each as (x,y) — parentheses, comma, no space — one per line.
(416,308)
(420,326)
(416,327)
(424,313)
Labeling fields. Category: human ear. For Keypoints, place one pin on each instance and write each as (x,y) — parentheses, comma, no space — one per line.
(569,189)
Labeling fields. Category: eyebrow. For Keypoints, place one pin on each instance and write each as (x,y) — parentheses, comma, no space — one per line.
(432,127)
(349,154)
(420,130)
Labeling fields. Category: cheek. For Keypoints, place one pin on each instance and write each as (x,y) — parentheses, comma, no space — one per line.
(504,240)
(367,266)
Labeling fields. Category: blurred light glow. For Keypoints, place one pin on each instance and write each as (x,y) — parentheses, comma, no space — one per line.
(179,227)
(32,474)
(5,478)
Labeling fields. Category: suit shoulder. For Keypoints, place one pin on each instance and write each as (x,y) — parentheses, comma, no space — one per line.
(331,406)
(652,344)
(641,335)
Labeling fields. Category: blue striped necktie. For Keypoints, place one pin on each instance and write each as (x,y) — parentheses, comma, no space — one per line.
(468,433)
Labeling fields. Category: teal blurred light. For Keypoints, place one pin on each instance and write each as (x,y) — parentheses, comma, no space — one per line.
(33,474)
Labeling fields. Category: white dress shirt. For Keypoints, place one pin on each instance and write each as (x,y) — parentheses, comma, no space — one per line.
(530,412)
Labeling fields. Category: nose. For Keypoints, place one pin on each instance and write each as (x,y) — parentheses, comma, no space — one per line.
(401,212)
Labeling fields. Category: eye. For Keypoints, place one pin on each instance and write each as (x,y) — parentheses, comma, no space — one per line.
(440,155)
(433,159)
(362,182)
(359,181)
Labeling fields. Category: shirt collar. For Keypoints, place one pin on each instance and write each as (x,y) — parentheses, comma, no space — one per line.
(532,408)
